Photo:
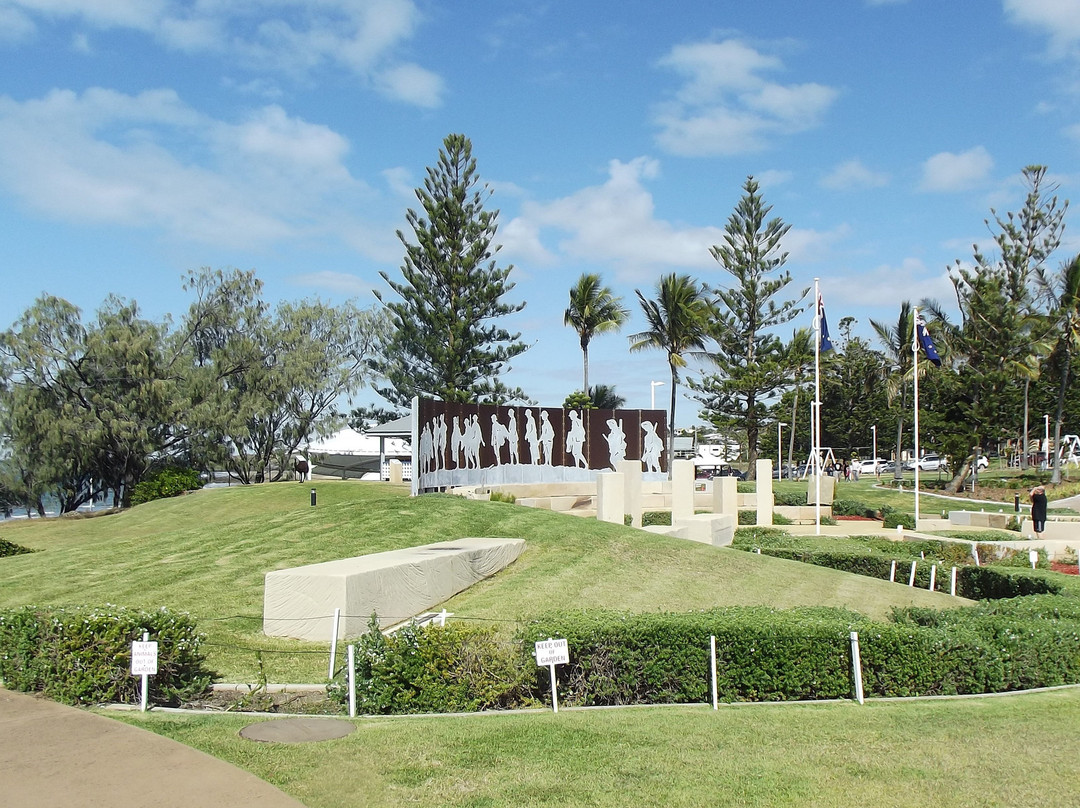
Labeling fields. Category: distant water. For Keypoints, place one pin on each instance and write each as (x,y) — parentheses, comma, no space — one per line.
(52,508)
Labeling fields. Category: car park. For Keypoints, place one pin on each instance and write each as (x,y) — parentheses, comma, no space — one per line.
(718,470)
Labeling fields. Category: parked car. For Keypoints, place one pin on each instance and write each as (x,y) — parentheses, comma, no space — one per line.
(928,462)
(870,466)
(719,470)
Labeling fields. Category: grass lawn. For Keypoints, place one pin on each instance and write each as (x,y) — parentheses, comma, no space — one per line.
(1012,751)
(207,553)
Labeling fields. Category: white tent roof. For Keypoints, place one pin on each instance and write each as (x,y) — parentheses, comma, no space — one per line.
(350,442)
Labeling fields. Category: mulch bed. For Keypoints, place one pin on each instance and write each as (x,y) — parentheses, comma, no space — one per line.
(1068,569)
(855,519)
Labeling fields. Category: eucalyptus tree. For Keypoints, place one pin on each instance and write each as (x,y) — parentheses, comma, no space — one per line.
(593,309)
(445,340)
(678,324)
(749,356)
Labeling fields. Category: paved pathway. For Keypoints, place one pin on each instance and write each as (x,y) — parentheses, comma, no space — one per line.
(53,756)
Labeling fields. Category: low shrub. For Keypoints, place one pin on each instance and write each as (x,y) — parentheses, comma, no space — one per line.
(168,482)
(82,655)
(8,548)
(852,507)
(502,496)
(893,519)
(790,498)
(655,518)
(429,669)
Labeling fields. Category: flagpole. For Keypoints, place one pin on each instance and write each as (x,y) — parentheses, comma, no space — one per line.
(815,426)
(915,373)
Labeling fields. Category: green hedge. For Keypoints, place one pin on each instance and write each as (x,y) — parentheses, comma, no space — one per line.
(766,654)
(83,655)
(457,668)
(8,548)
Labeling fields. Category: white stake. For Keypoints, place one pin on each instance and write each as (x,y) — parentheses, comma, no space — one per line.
(911,579)
(975,553)
(933,576)
(856,665)
(892,573)
(333,644)
(712,653)
(352,681)
(952,583)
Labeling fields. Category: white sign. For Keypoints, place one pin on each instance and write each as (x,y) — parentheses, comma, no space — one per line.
(552,652)
(144,658)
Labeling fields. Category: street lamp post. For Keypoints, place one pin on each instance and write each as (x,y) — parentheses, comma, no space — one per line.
(1046,443)
(877,471)
(652,392)
(779,448)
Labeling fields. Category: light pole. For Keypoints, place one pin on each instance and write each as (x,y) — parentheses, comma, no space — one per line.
(652,392)
(779,448)
(877,471)
(1046,461)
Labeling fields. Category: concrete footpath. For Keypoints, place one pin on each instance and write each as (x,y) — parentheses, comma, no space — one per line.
(54,756)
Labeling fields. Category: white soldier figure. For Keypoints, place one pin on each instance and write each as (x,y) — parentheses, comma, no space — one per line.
(616,441)
(575,440)
(654,447)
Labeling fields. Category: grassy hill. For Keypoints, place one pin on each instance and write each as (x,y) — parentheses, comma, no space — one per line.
(207,553)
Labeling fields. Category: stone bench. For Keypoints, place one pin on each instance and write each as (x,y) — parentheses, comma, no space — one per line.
(998,521)
(396,585)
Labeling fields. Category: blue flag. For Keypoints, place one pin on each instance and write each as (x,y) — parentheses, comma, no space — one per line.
(825,344)
(926,342)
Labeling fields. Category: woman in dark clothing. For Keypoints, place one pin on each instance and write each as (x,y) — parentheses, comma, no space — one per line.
(1038,509)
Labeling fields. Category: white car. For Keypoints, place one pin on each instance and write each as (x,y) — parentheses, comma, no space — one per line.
(930,462)
(869,466)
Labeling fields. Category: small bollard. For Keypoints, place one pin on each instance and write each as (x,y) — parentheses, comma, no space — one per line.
(1016,503)
(312,497)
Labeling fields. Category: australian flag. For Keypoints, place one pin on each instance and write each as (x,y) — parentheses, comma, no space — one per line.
(826,343)
(925,341)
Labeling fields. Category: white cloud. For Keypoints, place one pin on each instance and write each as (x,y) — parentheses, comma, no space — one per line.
(946,171)
(615,223)
(292,37)
(104,157)
(1058,19)
(725,107)
(853,175)
(888,285)
(15,25)
(336,282)
(773,177)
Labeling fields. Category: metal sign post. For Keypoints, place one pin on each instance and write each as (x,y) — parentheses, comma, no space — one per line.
(144,662)
(550,653)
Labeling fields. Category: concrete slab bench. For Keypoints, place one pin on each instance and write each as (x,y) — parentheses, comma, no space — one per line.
(397,584)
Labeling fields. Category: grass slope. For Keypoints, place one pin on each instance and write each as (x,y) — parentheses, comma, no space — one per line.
(1019,750)
(207,553)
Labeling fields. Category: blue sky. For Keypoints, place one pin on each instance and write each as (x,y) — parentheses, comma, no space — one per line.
(143,138)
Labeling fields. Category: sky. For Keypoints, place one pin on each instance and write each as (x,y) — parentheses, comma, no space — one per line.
(142,139)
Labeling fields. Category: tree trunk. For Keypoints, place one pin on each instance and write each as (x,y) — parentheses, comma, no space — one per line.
(1024,447)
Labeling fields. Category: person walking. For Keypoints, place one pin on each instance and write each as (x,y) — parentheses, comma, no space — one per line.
(1038,509)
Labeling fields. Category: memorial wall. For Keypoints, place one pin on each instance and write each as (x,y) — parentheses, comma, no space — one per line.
(483,444)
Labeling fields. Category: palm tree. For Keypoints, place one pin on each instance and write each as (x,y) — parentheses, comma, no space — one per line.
(1063,294)
(897,342)
(593,310)
(678,325)
(604,397)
